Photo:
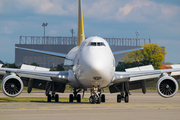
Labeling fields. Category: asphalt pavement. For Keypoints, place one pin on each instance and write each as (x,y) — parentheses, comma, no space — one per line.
(150,106)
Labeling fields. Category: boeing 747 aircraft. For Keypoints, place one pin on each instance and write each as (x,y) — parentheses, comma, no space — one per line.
(92,68)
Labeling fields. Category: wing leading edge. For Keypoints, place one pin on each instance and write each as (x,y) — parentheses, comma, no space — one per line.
(61,55)
(125,51)
(38,73)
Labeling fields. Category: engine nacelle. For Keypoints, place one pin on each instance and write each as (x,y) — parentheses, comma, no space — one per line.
(167,86)
(12,85)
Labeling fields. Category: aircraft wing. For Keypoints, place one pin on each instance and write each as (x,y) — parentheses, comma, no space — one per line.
(32,77)
(124,51)
(142,73)
(33,72)
(142,77)
(45,52)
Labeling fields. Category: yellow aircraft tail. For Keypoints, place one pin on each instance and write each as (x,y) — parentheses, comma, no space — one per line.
(80,35)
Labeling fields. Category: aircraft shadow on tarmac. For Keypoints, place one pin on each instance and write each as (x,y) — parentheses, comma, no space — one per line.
(61,102)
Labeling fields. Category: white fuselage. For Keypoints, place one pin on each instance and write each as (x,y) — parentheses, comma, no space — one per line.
(94,63)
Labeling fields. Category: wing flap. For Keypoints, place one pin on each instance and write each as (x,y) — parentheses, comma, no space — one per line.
(2,72)
(31,67)
(175,73)
(143,77)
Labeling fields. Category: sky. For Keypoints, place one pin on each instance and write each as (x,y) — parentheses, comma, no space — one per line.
(158,20)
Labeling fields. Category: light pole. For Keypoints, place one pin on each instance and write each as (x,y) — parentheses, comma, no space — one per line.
(137,34)
(44,25)
(72,31)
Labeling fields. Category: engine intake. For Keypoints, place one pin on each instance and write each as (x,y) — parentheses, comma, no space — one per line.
(12,85)
(167,86)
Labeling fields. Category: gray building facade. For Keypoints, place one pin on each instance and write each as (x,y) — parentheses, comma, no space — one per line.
(64,45)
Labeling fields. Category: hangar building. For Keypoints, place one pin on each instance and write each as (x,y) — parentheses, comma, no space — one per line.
(64,45)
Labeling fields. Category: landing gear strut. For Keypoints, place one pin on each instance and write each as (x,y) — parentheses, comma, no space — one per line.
(96,97)
(75,96)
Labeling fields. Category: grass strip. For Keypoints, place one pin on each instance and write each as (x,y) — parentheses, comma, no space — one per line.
(34,99)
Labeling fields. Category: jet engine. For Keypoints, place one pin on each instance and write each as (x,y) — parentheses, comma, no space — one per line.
(12,85)
(167,86)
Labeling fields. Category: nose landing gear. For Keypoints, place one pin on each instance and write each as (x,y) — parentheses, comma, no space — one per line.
(96,97)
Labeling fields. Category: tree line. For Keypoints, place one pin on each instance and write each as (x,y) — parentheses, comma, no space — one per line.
(151,54)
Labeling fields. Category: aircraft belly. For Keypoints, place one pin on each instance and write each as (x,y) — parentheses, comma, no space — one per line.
(90,83)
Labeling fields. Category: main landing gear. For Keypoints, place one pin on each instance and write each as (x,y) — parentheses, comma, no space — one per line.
(96,97)
(124,93)
(52,96)
(122,97)
(75,96)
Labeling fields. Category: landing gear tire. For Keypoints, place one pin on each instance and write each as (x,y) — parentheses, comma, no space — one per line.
(119,98)
(48,98)
(71,98)
(56,98)
(98,100)
(126,98)
(102,98)
(78,98)
(92,99)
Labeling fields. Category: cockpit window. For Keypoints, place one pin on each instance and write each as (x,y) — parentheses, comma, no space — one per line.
(100,44)
(93,44)
(96,44)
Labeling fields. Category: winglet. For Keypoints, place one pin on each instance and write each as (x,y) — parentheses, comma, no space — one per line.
(81,35)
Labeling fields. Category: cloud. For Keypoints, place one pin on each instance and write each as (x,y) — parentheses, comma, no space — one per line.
(146,11)
(133,5)
(99,8)
(131,11)
(48,7)
(168,12)
(6,30)
(7,27)
(123,11)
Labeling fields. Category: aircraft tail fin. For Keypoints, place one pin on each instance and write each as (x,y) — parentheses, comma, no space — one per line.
(80,35)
